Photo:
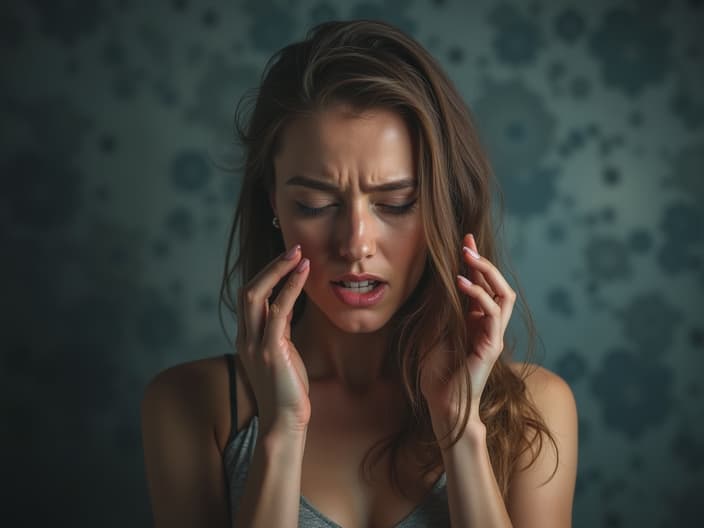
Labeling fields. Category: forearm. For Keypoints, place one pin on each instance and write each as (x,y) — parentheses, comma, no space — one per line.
(272,494)
(473,494)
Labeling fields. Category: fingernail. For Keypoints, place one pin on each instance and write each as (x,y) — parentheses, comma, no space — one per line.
(464,280)
(302,265)
(291,253)
(471,252)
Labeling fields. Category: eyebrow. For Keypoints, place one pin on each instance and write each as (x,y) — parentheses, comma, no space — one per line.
(329,187)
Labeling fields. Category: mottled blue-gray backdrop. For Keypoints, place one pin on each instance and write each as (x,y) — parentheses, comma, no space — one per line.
(116,123)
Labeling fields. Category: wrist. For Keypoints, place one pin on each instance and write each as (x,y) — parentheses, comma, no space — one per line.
(282,426)
(286,443)
(473,437)
(443,423)
(475,433)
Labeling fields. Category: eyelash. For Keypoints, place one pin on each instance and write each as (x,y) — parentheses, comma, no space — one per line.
(391,209)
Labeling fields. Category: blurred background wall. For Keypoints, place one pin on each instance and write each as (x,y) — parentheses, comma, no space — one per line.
(116,118)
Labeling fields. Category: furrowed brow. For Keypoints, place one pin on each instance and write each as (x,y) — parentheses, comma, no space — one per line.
(328,187)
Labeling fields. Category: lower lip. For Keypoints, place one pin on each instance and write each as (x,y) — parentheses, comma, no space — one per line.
(352,298)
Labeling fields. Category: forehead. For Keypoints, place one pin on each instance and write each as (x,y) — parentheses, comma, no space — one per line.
(341,145)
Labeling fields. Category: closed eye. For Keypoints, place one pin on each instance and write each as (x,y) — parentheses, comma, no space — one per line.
(310,211)
(391,209)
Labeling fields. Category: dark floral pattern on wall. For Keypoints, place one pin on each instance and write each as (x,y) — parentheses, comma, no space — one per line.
(518,37)
(117,148)
(634,394)
(633,47)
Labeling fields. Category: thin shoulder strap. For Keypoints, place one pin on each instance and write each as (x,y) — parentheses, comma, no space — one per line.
(230,357)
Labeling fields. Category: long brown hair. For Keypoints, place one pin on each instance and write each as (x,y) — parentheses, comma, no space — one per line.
(370,64)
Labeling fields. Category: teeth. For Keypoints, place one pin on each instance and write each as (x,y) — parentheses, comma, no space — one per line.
(361,284)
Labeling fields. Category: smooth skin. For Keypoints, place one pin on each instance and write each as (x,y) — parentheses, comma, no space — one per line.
(183,441)
(487,321)
(328,199)
(269,356)
(467,464)
(327,368)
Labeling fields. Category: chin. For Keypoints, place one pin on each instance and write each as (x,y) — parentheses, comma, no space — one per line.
(355,322)
(357,326)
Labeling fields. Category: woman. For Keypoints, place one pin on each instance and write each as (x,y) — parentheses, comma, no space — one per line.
(371,384)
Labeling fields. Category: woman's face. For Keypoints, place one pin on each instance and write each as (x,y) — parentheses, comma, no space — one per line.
(346,190)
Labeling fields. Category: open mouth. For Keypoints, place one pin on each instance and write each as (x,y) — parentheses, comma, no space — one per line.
(360,294)
(359,287)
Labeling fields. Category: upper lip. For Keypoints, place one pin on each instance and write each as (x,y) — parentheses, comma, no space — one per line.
(354,277)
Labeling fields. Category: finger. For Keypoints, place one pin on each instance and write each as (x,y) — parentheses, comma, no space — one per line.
(495,280)
(475,277)
(503,294)
(473,274)
(277,323)
(484,300)
(258,290)
(471,243)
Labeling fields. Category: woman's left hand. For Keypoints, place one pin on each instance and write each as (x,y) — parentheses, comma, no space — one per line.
(489,313)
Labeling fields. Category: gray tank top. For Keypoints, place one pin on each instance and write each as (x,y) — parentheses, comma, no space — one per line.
(237,456)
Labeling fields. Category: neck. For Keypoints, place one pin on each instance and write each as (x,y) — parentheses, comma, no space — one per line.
(353,360)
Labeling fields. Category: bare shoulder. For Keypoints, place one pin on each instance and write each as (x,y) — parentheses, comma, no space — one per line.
(543,385)
(199,391)
(189,392)
(184,411)
(544,489)
(551,395)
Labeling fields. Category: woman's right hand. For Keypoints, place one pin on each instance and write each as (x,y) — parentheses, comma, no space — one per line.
(273,365)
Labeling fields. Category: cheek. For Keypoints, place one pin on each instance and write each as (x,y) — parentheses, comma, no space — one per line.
(409,243)
(414,251)
(312,240)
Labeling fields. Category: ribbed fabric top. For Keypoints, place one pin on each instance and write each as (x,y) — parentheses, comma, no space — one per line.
(239,451)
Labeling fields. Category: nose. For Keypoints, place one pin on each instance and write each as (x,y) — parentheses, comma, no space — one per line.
(356,239)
